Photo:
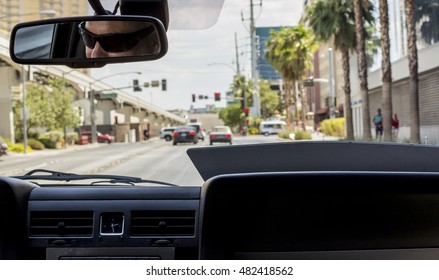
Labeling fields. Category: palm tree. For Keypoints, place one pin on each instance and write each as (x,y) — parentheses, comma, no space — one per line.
(427,16)
(386,68)
(413,72)
(290,51)
(334,19)
(359,6)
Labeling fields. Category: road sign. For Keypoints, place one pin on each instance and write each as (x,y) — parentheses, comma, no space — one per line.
(107,95)
(308,82)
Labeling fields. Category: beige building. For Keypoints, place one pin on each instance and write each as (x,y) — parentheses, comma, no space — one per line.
(13,12)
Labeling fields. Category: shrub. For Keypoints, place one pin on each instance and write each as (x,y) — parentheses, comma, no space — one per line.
(333,127)
(19,148)
(55,136)
(285,134)
(48,143)
(253,131)
(302,135)
(35,144)
(52,139)
(72,138)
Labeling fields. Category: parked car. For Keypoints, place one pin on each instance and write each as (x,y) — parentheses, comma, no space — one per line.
(221,134)
(101,138)
(3,148)
(185,134)
(166,133)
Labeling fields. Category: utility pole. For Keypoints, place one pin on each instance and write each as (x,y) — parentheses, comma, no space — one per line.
(254,57)
(238,73)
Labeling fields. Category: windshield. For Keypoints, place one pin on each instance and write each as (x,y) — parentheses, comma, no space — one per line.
(276,71)
(259,134)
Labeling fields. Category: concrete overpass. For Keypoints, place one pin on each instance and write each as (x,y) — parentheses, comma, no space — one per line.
(120,109)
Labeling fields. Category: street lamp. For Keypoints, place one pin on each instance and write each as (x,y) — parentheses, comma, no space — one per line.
(228,65)
(92,102)
(331,83)
(64,85)
(24,112)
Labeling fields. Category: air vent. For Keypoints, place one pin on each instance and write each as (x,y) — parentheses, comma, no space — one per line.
(163,223)
(61,223)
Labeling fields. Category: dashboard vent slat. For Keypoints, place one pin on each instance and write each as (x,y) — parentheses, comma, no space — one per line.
(61,224)
(163,223)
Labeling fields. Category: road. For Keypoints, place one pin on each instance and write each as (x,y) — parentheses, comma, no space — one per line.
(155,159)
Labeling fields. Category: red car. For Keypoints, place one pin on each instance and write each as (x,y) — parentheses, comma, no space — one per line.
(102,138)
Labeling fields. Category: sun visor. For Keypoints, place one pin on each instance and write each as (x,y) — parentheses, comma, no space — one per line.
(175,14)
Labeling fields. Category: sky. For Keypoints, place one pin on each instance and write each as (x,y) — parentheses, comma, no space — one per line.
(186,65)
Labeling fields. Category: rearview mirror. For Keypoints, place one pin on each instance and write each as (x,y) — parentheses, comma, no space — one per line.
(89,41)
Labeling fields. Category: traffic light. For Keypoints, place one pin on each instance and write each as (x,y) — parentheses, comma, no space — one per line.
(217,96)
(136,86)
(164,84)
(246,112)
(193,97)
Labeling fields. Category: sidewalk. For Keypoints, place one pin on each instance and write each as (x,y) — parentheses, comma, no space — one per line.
(69,148)
(318,136)
(55,151)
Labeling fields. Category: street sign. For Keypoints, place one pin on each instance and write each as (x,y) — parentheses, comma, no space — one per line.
(308,82)
(107,95)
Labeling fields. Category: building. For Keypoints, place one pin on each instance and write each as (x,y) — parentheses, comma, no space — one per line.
(428,47)
(13,12)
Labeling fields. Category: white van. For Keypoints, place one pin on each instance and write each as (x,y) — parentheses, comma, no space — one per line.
(271,127)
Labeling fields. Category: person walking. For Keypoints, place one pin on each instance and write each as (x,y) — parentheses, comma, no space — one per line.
(395,127)
(378,121)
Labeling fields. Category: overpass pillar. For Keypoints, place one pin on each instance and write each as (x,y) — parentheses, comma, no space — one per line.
(7,75)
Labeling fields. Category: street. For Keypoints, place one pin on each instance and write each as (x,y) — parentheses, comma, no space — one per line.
(155,159)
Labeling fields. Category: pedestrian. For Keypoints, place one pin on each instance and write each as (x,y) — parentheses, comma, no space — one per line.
(395,127)
(145,134)
(378,121)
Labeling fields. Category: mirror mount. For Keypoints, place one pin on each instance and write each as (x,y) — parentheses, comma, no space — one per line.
(97,7)
(155,8)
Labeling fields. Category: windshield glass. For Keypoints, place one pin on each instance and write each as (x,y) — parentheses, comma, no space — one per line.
(276,71)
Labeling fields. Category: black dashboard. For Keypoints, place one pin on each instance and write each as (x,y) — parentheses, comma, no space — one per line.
(363,212)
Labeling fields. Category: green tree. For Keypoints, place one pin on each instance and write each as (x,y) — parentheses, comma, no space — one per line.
(65,114)
(335,20)
(231,115)
(290,51)
(270,100)
(49,105)
(427,16)
(413,72)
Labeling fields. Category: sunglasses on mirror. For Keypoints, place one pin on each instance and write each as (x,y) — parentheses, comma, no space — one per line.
(114,42)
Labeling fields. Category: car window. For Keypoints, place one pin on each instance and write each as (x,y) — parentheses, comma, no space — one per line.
(155,105)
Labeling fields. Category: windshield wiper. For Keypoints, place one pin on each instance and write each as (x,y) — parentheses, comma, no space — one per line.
(62,176)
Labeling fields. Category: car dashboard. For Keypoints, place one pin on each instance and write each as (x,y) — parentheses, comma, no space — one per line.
(113,222)
(297,214)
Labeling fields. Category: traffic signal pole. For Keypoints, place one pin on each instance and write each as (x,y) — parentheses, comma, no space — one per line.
(254,57)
